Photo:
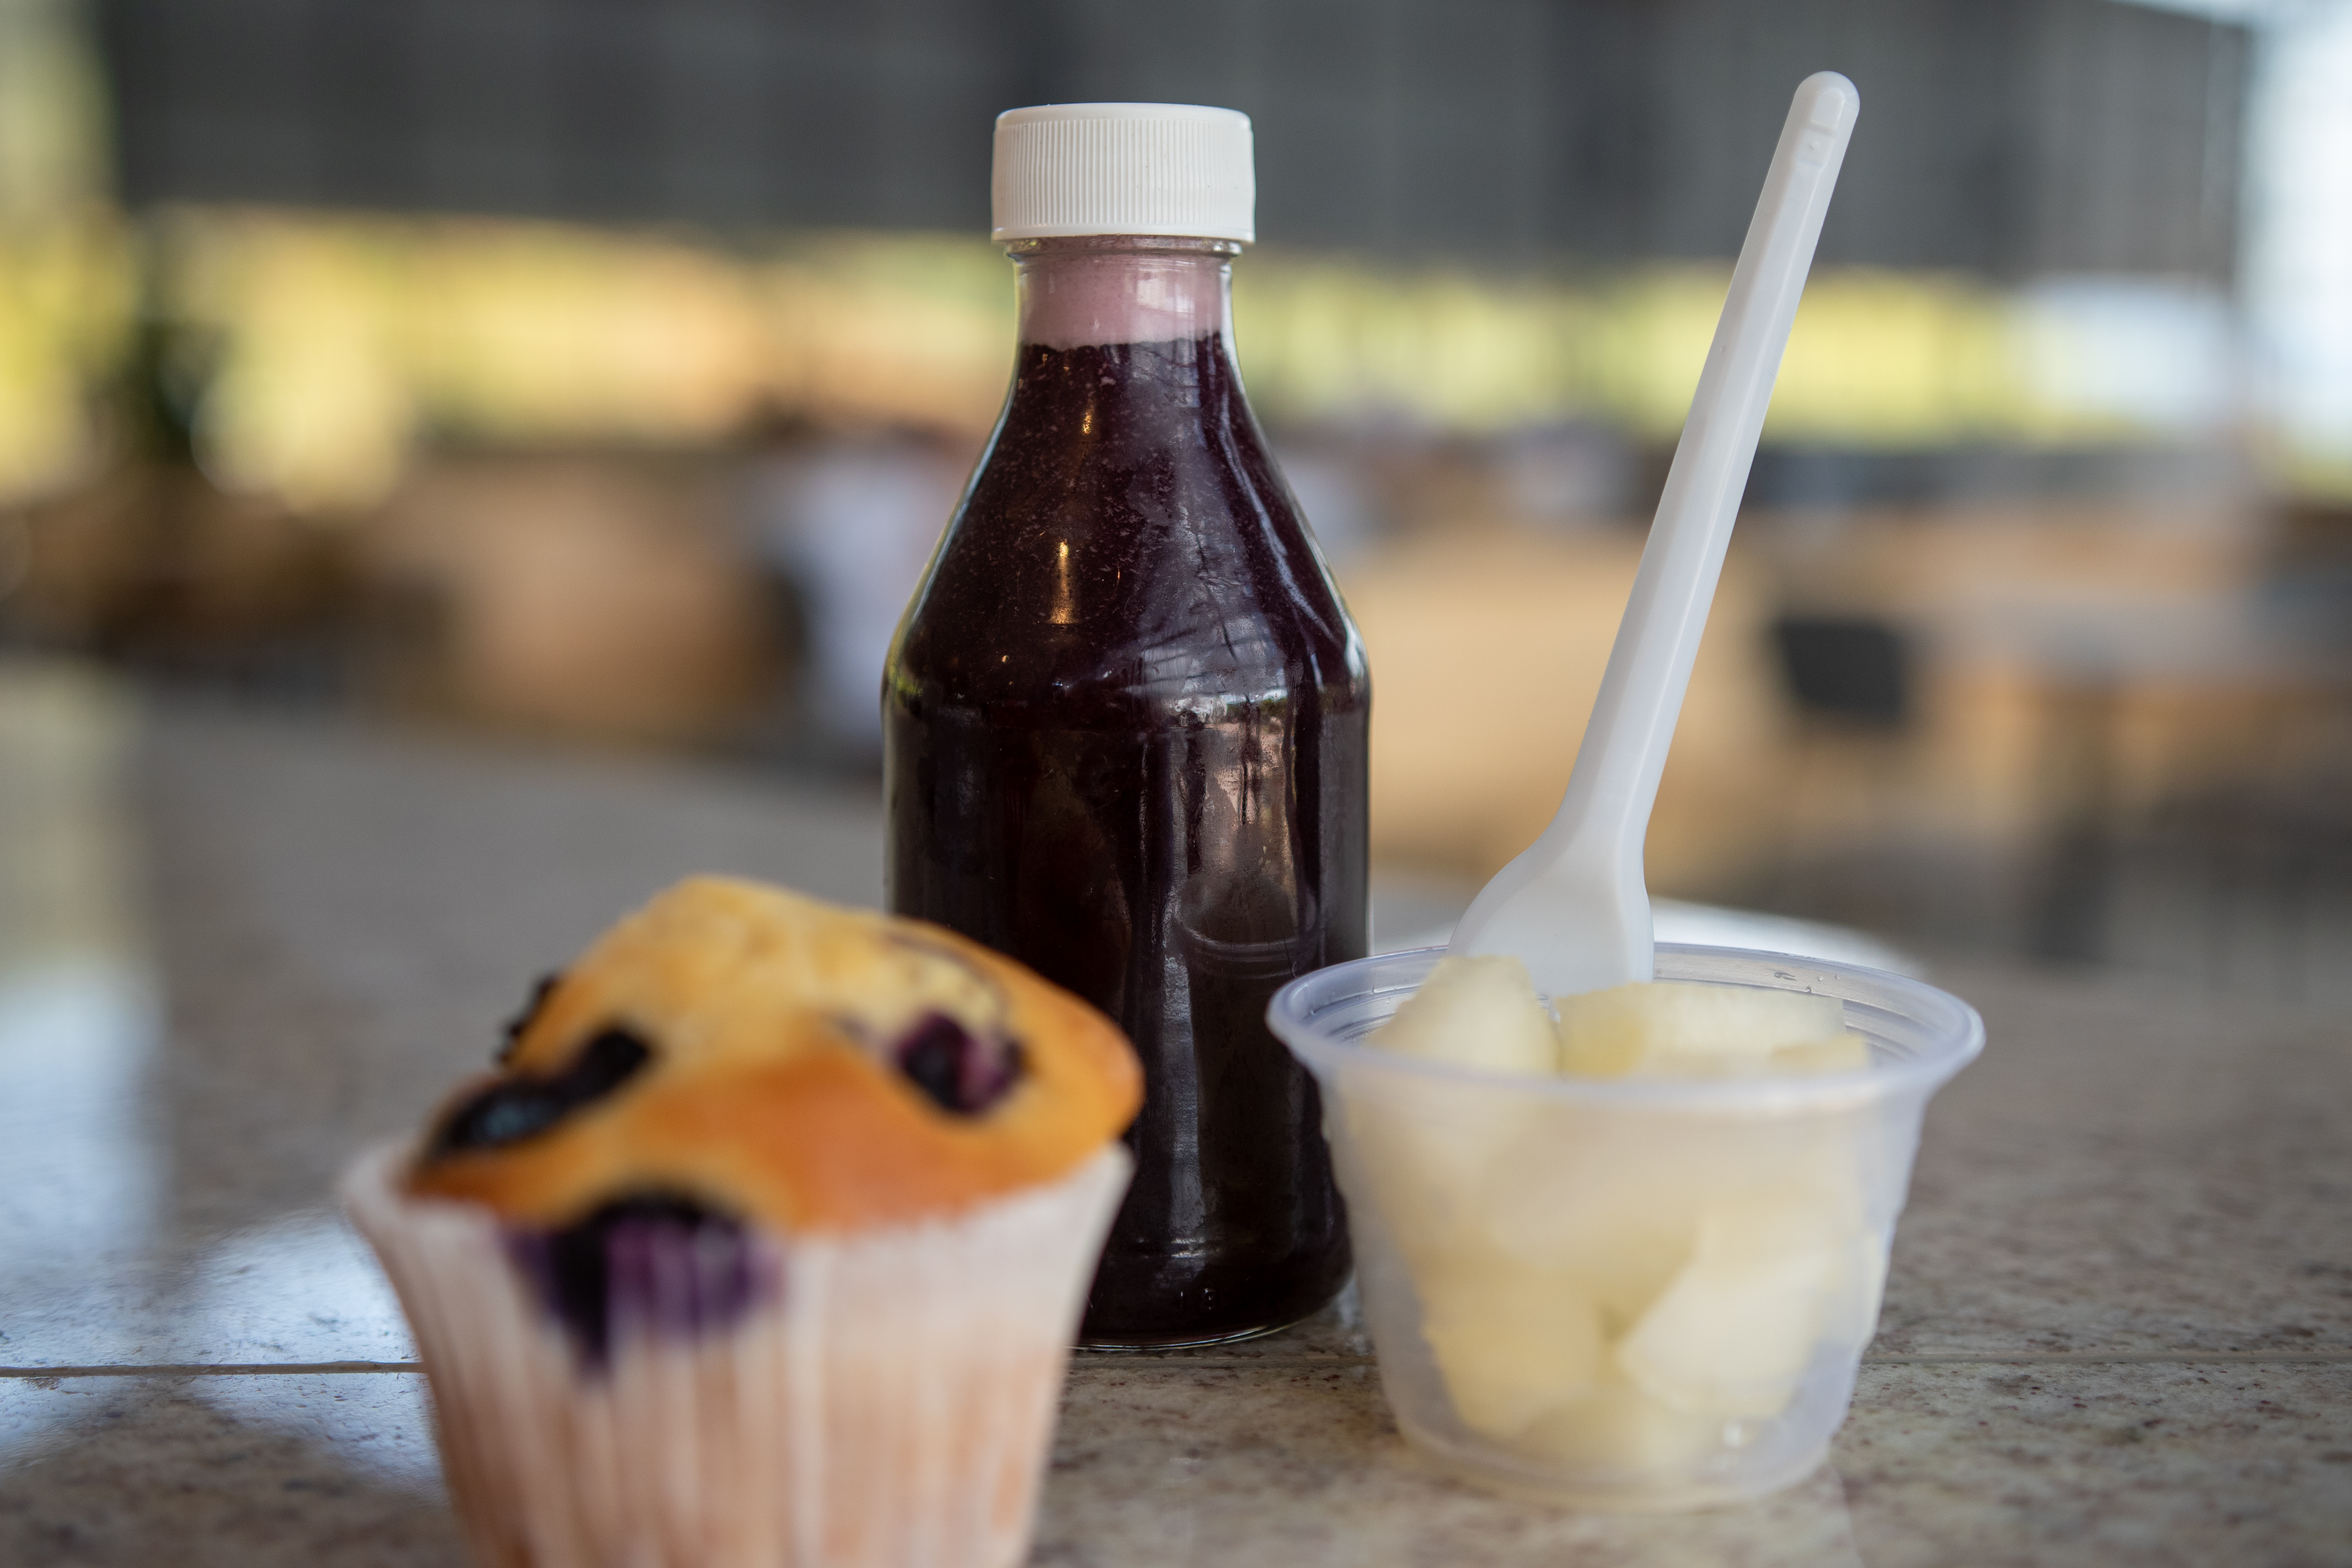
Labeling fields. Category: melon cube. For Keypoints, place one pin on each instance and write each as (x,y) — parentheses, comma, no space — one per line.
(1616,1425)
(1842,1052)
(1619,1217)
(1733,1332)
(1475,1012)
(1511,1341)
(1425,1156)
(1426,1147)
(1685,1029)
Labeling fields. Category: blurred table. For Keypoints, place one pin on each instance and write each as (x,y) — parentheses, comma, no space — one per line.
(235,948)
(2147,703)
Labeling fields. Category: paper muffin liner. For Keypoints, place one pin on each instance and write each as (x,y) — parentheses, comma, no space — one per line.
(879,1399)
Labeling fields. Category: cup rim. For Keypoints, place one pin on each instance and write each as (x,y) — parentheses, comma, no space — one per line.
(1955,1036)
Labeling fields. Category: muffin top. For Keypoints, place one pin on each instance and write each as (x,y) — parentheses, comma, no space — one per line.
(743,1049)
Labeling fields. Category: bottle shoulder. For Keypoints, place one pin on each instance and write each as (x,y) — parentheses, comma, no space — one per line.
(1159,635)
(1128,533)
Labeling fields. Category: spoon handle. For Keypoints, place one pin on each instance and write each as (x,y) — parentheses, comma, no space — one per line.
(1591,850)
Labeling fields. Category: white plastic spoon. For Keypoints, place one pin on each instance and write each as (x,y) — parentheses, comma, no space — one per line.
(1573,905)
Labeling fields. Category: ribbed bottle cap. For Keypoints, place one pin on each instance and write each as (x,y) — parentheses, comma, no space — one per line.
(1124,168)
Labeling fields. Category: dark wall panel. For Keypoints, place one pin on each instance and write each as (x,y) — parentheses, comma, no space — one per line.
(2009,137)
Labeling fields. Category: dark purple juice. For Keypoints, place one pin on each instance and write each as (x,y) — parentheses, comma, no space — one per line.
(1125,726)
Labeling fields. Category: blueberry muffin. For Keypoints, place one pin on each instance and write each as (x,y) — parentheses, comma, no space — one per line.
(817,1067)
(764,1244)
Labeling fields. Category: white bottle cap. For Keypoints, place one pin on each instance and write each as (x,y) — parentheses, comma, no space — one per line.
(1124,168)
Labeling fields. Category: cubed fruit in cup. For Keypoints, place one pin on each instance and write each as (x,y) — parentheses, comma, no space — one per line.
(1475,1013)
(1734,1330)
(1682,1030)
(1846,1052)
(1432,1158)
(1615,1201)
(1720,1229)
(1617,1427)
(1511,1341)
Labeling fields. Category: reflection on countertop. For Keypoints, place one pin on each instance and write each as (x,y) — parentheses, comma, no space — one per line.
(80,1176)
(235,948)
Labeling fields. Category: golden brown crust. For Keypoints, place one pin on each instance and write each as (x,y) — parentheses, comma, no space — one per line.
(772,1090)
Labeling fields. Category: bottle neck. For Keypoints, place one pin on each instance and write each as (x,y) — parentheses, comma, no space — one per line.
(1123,288)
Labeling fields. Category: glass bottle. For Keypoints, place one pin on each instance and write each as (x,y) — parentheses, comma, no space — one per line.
(1125,724)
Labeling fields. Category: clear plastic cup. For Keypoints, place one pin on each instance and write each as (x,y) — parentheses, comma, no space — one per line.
(1627,1295)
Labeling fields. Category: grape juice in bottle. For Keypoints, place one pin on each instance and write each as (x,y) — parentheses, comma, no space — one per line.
(1125,727)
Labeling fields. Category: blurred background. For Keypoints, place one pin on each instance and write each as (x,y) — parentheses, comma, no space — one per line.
(599,373)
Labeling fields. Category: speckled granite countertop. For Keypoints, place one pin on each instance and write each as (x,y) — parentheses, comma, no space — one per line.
(234,949)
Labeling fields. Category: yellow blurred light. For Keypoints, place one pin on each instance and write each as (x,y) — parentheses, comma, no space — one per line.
(1875,357)
(1881,358)
(66,289)
(345,338)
